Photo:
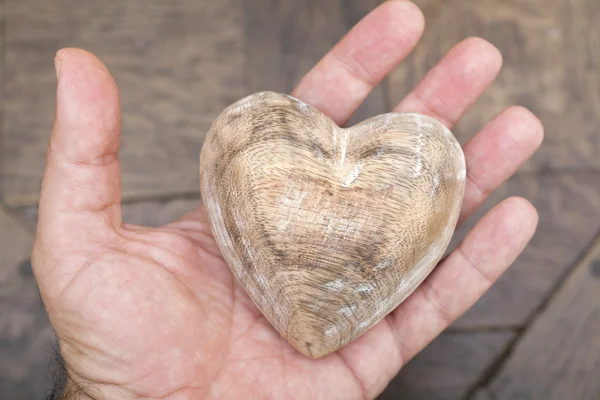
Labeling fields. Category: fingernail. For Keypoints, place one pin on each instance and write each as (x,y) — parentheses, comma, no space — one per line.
(57,63)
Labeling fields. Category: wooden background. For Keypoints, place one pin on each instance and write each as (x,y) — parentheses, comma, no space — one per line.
(178,63)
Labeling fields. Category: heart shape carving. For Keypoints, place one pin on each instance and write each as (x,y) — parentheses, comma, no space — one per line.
(328,229)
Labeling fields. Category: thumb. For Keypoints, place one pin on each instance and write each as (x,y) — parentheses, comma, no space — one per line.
(83,175)
(81,190)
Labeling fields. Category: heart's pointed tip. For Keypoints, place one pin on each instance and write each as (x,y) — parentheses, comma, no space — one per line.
(308,353)
(315,335)
(309,344)
(314,351)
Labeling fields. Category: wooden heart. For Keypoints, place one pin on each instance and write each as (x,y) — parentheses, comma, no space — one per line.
(328,229)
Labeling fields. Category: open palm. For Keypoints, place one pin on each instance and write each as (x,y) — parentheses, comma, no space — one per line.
(155,312)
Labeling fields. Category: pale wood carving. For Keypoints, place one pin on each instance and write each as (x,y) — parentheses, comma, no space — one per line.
(329,229)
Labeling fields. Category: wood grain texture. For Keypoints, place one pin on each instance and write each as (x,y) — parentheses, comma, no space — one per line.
(551,61)
(25,335)
(449,367)
(559,355)
(177,64)
(285,39)
(329,229)
(567,206)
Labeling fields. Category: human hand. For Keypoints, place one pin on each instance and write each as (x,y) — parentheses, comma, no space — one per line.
(155,312)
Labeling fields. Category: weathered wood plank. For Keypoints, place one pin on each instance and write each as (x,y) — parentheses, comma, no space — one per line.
(551,58)
(177,63)
(481,394)
(157,213)
(25,335)
(449,367)
(559,355)
(287,38)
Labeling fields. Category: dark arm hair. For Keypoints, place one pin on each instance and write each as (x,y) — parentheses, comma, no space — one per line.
(59,375)
(63,387)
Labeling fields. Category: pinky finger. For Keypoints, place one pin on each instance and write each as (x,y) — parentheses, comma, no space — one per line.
(464,276)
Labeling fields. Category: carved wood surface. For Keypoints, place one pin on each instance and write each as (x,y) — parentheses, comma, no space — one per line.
(329,229)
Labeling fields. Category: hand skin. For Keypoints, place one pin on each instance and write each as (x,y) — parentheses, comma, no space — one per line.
(148,313)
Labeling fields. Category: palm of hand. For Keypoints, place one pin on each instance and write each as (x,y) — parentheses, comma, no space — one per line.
(183,326)
(156,313)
